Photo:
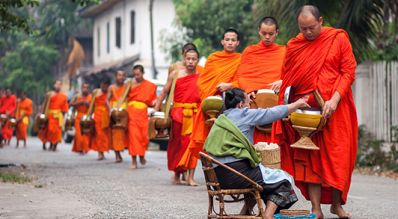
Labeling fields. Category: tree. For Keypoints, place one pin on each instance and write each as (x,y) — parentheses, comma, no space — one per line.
(11,18)
(206,20)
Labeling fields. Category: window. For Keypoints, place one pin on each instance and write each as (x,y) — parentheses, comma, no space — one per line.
(132,26)
(118,26)
(98,42)
(108,47)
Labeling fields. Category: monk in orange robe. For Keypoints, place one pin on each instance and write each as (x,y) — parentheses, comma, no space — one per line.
(101,140)
(321,58)
(57,107)
(186,102)
(118,135)
(142,94)
(23,112)
(261,66)
(81,102)
(2,96)
(219,75)
(9,104)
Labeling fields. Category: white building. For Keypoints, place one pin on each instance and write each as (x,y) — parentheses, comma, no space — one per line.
(122,34)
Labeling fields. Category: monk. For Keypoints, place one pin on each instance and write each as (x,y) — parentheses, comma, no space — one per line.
(81,102)
(9,104)
(321,59)
(219,75)
(179,65)
(23,112)
(142,94)
(2,96)
(118,135)
(58,106)
(261,66)
(101,139)
(185,105)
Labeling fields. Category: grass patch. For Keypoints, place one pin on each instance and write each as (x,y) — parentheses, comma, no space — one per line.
(14,178)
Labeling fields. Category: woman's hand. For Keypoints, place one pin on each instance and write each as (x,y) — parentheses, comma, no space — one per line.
(223,86)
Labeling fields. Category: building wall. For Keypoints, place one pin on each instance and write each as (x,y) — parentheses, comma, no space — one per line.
(163,16)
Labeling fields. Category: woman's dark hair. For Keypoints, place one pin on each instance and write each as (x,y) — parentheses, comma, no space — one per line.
(233,96)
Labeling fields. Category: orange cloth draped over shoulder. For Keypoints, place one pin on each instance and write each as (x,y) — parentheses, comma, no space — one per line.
(81,143)
(140,97)
(118,136)
(261,65)
(220,67)
(9,103)
(328,65)
(186,103)
(23,113)
(58,105)
(102,137)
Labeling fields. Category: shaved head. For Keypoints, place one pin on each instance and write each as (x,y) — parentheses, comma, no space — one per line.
(310,22)
(309,10)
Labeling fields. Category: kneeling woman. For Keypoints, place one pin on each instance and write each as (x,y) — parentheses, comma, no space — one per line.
(230,142)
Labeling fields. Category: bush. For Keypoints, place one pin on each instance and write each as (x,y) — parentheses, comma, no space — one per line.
(376,153)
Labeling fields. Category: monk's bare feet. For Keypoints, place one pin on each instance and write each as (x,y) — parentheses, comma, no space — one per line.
(142,160)
(176,180)
(101,156)
(339,211)
(133,166)
(119,160)
(192,182)
(318,213)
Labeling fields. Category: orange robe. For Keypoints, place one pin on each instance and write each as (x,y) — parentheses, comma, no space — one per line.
(326,64)
(53,132)
(185,104)
(101,140)
(9,103)
(260,66)
(220,67)
(118,136)
(23,113)
(81,143)
(139,98)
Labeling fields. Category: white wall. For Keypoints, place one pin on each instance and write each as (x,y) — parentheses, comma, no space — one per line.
(163,16)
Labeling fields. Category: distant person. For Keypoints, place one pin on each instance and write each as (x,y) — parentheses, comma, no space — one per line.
(23,112)
(8,106)
(142,95)
(321,58)
(118,136)
(101,141)
(58,106)
(81,103)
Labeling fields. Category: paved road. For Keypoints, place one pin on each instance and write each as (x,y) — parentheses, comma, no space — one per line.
(67,185)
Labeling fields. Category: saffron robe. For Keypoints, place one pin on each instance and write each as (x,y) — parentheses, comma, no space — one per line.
(220,67)
(9,103)
(140,97)
(118,136)
(328,65)
(81,143)
(102,137)
(23,113)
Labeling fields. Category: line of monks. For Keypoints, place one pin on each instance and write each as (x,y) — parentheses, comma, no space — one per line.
(318,58)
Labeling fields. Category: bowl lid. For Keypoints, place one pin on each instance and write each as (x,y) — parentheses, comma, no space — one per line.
(268,91)
(213,98)
(158,114)
(309,111)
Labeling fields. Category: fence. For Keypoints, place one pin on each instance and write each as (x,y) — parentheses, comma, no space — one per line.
(376,98)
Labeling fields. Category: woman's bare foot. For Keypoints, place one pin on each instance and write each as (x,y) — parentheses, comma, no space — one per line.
(318,213)
(339,211)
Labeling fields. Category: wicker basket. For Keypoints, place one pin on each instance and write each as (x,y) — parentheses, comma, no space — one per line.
(270,158)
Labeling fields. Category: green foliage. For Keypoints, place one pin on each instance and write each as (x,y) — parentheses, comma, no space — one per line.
(373,152)
(29,68)
(206,21)
(10,16)
(8,176)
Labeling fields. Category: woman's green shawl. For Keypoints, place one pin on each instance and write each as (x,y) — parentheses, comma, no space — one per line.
(225,139)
